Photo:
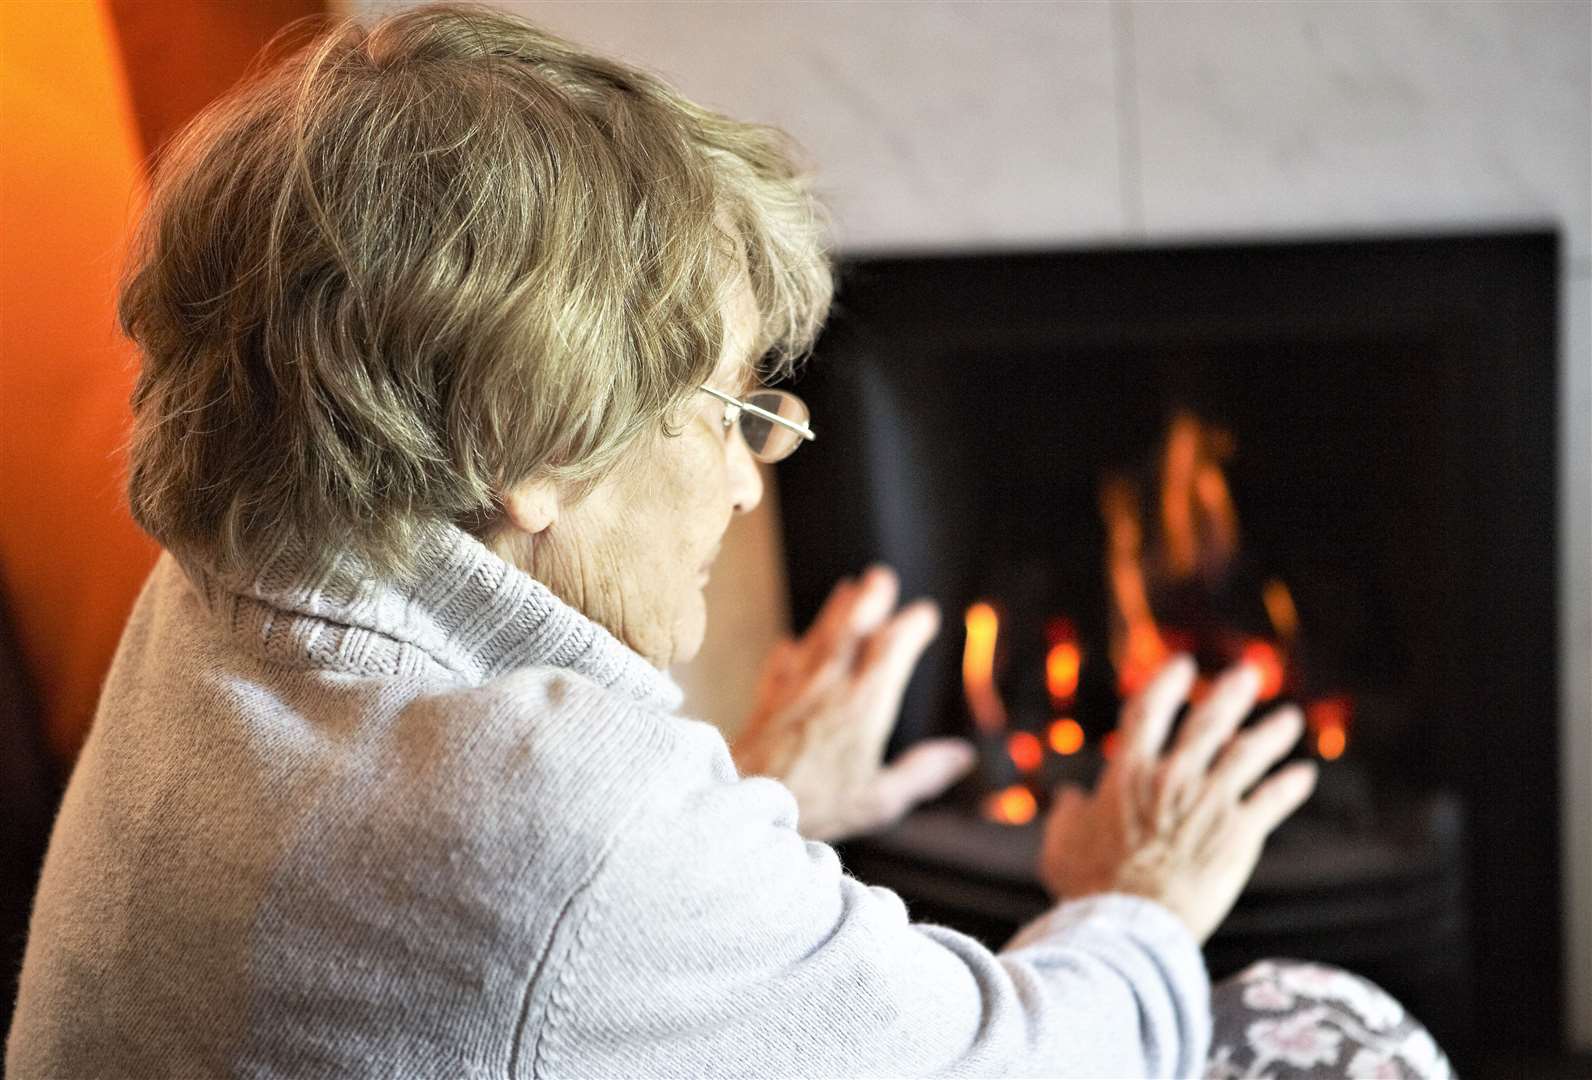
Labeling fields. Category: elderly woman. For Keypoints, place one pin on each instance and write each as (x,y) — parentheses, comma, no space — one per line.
(453,337)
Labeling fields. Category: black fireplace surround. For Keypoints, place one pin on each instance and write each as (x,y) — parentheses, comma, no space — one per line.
(1392,409)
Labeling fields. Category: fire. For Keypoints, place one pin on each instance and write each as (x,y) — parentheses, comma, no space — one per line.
(1012,806)
(1062,665)
(978,669)
(1065,735)
(1280,609)
(1197,515)
(1026,751)
(1137,651)
(1328,721)
(1189,565)
(1330,743)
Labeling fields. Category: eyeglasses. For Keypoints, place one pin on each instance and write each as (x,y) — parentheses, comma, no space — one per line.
(773,422)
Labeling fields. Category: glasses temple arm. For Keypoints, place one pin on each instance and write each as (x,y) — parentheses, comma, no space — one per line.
(800,429)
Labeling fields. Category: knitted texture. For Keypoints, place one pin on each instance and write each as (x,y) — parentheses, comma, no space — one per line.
(331,824)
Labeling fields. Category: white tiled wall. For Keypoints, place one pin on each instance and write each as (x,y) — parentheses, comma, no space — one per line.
(986,124)
(1321,116)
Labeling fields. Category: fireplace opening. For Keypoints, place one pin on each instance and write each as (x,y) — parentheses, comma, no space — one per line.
(1333,460)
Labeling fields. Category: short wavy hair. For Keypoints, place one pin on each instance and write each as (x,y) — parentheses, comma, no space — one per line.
(422,259)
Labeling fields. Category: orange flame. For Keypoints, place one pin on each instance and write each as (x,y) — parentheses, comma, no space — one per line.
(1012,806)
(1330,743)
(1065,735)
(1177,481)
(1197,515)
(1280,609)
(1328,721)
(1026,750)
(978,669)
(1198,538)
(1137,651)
(1062,665)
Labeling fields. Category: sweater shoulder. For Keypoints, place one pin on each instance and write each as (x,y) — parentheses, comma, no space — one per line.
(571,757)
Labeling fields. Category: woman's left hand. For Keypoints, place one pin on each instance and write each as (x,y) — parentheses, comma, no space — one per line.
(826,704)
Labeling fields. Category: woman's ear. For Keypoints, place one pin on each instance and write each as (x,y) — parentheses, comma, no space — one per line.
(531,505)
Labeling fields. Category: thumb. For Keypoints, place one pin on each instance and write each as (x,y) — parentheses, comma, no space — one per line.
(921,773)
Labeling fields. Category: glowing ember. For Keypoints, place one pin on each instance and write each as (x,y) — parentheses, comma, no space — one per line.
(1330,743)
(1328,721)
(1062,665)
(1026,751)
(978,669)
(1013,806)
(1066,735)
(1264,655)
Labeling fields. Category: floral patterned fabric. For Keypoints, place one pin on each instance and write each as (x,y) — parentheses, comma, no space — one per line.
(1290,1020)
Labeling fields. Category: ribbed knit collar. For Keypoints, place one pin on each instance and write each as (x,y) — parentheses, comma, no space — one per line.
(467,610)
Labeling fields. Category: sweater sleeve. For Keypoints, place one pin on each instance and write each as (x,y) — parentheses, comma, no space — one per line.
(713,940)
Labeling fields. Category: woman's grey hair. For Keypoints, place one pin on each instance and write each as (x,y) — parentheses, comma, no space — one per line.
(421,260)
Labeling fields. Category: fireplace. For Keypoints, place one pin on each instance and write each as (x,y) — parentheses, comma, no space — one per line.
(1336,459)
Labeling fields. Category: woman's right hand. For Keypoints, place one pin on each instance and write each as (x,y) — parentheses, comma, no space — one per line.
(1177,828)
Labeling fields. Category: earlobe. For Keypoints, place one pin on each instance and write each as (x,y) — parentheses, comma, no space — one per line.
(531,505)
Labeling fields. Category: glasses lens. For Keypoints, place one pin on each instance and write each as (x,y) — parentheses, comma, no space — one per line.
(767,440)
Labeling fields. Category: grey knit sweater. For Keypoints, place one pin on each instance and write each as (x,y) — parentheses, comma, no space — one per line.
(327,825)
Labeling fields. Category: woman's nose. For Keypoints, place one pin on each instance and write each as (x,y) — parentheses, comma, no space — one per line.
(746,479)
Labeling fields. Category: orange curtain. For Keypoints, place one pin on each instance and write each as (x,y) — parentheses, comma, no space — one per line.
(71,183)
(87,88)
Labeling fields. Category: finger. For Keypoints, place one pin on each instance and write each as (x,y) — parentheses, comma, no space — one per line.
(835,609)
(1279,796)
(867,602)
(815,645)
(1148,717)
(776,670)
(1245,760)
(877,592)
(920,774)
(1214,720)
(889,655)
(1251,753)
(886,662)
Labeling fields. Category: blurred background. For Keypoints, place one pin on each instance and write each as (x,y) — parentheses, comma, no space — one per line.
(933,128)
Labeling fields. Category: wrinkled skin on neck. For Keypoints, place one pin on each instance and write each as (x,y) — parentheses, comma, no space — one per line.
(633,555)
